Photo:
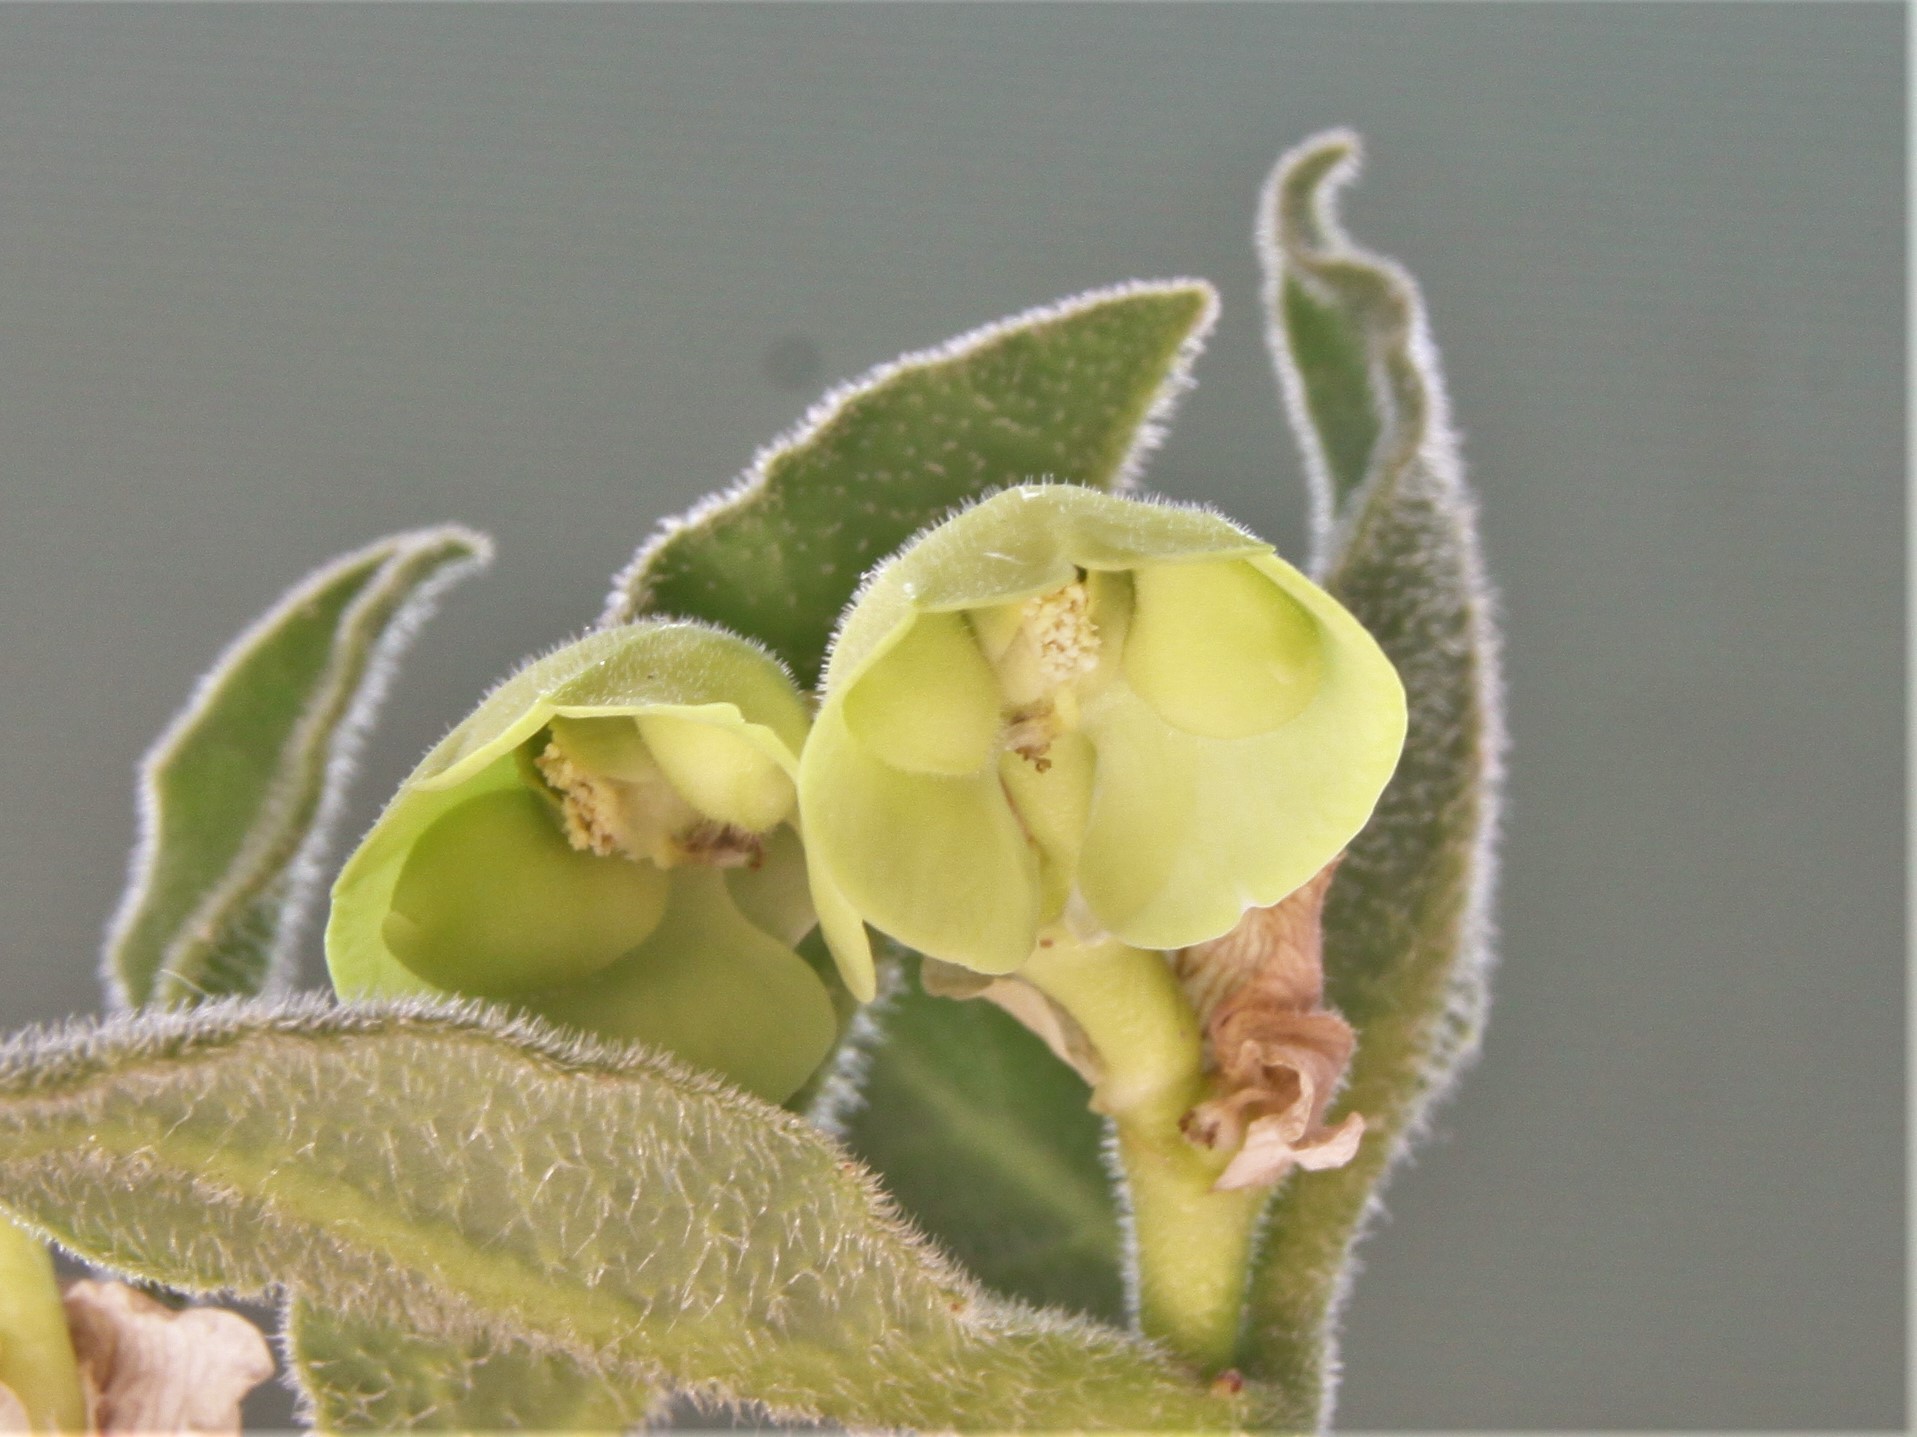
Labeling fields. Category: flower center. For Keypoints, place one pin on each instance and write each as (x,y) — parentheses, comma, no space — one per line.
(616,794)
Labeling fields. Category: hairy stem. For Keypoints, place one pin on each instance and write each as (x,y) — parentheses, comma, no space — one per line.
(1191,1245)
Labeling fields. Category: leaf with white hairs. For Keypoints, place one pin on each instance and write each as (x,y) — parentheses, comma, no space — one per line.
(238,795)
(480,1181)
(364,1375)
(1406,925)
(1075,392)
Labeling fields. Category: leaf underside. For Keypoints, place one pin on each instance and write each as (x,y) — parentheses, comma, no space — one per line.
(1406,940)
(503,1188)
(238,794)
(1073,392)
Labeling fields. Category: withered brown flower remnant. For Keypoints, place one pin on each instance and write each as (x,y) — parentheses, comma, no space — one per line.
(149,1368)
(1276,1053)
(146,1368)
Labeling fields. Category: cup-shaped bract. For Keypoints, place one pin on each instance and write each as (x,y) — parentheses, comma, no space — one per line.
(1063,707)
(608,842)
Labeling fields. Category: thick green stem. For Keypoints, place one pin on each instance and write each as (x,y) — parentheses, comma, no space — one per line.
(1192,1246)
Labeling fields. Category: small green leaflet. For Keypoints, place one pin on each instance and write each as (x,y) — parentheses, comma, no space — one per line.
(1406,924)
(237,796)
(1076,391)
(497,1184)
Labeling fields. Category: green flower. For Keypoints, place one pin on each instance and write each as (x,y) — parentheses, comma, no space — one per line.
(608,842)
(1128,719)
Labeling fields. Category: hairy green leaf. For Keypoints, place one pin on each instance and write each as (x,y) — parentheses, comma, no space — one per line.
(985,1138)
(1407,921)
(1074,392)
(237,797)
(365,1375)
(482,1181)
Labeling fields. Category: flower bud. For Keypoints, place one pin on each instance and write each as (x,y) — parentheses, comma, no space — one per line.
(1062,707)
(608,842)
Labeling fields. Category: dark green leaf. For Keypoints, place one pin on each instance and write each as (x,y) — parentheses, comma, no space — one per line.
(1073,392)
(237,796)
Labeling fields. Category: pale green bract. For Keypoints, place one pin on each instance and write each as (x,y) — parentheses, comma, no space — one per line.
(607,842)
(1065,707)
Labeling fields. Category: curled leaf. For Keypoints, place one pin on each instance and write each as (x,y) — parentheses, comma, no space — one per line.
(1406,923)
(239,794)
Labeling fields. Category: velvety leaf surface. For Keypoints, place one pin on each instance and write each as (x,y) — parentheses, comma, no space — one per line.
(1073,391)
(237,796)
(483,1182)
(364,1375)
(984,1137)
(1406,923)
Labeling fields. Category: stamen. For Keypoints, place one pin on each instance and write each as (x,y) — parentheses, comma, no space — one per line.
(588,804)
(1029,732)
(722,845)
(1062,633)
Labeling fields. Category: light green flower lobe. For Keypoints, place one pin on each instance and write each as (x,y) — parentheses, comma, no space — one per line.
(1062,706)
(588,846)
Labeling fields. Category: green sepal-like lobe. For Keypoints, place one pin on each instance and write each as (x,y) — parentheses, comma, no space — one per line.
(473,1180)
(360,1374)
(468,886)
(1242,723)
(238,795)
(1075,391)
(37,1364)
(1406,926)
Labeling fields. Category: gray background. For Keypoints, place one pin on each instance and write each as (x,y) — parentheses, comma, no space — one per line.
(276,280)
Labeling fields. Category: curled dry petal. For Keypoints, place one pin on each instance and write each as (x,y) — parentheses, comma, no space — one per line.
(148,1368)
(1277,1053)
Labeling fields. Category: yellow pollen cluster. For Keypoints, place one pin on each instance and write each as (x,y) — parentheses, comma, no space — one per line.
(587,804)
(1061,629)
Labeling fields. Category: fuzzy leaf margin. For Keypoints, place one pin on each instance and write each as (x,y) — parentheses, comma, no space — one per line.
(1407,922)
(493,1182)
(238,796)
(1076,391)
